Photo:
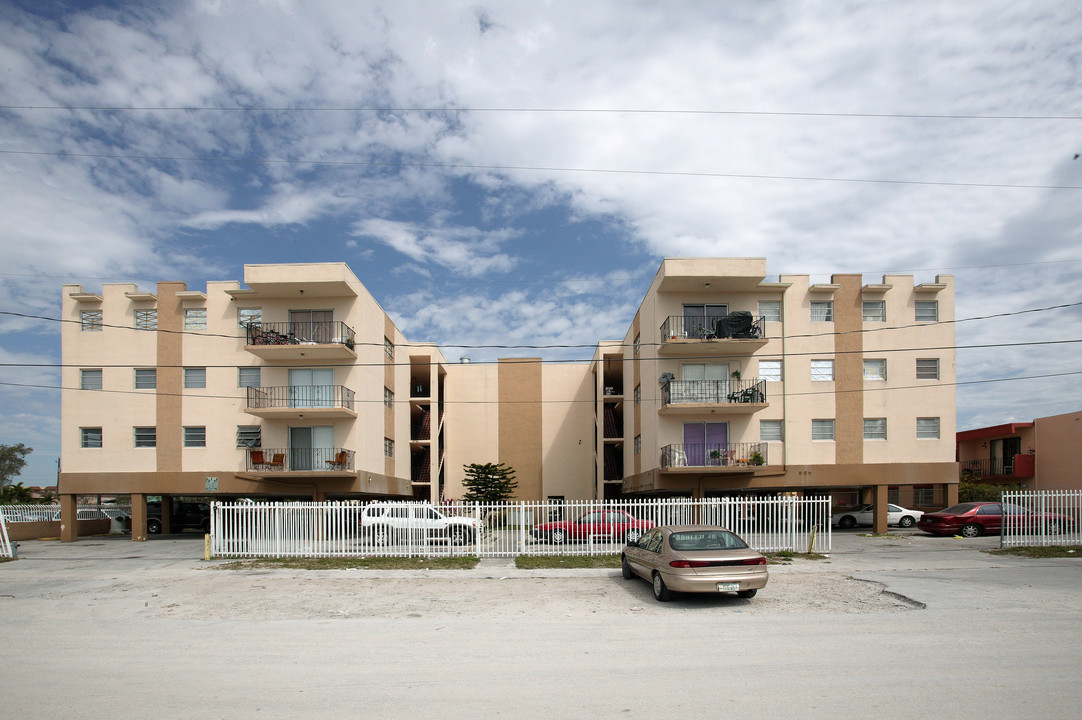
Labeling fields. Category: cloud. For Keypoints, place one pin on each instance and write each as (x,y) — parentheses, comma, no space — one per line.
(467,251)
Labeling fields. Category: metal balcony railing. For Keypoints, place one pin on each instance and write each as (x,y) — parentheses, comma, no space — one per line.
(319,332)
(711,327)
(299,459)
(707,392)
(713,455)
(1017,466)
(301,397)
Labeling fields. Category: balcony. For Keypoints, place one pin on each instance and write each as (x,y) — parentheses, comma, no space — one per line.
(319,340)
(690,397)
(299,460)
(733,333)
(293,402)
(1009,468)
(738,457)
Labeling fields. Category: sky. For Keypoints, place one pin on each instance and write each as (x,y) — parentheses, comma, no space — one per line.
(514,172)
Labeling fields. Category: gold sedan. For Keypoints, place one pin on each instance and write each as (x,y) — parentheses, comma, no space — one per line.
(694,558)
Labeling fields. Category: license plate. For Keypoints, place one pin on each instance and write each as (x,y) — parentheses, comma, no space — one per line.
(728,587)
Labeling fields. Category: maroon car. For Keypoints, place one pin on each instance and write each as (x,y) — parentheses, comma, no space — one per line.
(609,524)
(982,518)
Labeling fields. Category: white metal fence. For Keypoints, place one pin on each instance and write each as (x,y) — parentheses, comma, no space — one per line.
(343,529)
(6,548)
(28,513)
(1041,517)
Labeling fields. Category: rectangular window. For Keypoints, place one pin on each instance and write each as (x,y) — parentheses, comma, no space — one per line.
(875,370)
(927,368)
(90,437)
(91,321)
(928,311)
(195,436)
(875,311)
(249,436)
(822,311)
(770,370)
(638,345)
(146,319)
(146,378)
(770,310)
(388,348)
(928,428)
(195,377)
(924,496)
(146,437)
(638,444)
(195,319)
(249,316)
(638,394)
(249,377)
(875,428)
(771,430)
(388,447)
(822,429)
(388,397)
(90,379)
(822,370)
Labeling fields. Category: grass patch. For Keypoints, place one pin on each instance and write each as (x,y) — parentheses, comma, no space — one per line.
(372,563)
(1048,551)
(547,562)
(786,557)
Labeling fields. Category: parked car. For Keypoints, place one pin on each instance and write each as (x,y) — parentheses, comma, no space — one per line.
(979,518)
(618,525)
(391,522)
(694,558)
(186,515)
(863,515)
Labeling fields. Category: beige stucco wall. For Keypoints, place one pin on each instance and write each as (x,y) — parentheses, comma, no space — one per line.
(473,420)
(567,431)
(1057,439)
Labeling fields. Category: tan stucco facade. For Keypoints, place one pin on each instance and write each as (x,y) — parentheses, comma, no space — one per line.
(1037,455)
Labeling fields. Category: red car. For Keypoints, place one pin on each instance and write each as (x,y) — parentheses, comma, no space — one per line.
(609,524)
(980,518)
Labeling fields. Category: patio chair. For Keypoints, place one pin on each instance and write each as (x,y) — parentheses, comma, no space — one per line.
(278,462)
(339,461)
(256,459)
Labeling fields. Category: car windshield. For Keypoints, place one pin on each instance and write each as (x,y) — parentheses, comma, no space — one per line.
(959,509)
(706,540)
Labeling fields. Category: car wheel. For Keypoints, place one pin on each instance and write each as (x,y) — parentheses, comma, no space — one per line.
(558,536)
(747,594)
(971,530)
(625,569)
(1054,528)
(460,536)
(907,521)
(847,521)
(154,527)
(661,593)
(633,535)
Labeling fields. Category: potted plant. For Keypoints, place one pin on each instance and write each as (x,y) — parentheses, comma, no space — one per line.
(736,374)
(756,458)
(715,457)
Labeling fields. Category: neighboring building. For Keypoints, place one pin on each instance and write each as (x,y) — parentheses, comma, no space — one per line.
(298,385)
(1038,455)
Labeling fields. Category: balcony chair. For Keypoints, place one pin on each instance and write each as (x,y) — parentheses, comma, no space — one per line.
(678,458)
(340,460)
(278,462)
(255,457)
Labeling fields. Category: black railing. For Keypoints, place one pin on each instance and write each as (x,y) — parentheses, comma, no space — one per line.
(707,392)
(988,467)
(300,396)
(299,459)
(318,332)
(711,327)
(713,455)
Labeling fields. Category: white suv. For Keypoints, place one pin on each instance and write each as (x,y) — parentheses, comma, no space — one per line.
(391,522)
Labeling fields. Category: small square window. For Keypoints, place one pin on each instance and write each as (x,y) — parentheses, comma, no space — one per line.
(195,319)
(146,319)
(146,378)
(927,368)
(90,380)
(822,429)
(875,370)
(90,437)
(875,428)
(822,370)
(822,311)
(249,377)
(388,447)
(249,436)
(195,436)
(770,310)
(770,370)
(195,377)
(875,311)
(146,437)
(927,311)
(388,397)
(249,316)
(91,321)
(771,430)
(928,428)
(924,496)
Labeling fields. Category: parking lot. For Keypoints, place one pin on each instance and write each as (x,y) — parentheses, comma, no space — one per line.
(931,625)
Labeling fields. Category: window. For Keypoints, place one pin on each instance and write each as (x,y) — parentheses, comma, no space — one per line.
(928,311)
(388,447)
(388,348)
(875,370)
(146,437)
(893,495)
(146,378)
(770,370)
(771,430)
(249,436)
(388,397)
(195,319)
(875,311)
(923,496)
(195,436)
(90,437)
(822,370)
(822,311)
(91,321)
(927,368)
(875,428)
(195,377)
(249,316)
(146,319)
(638,344)
(249,377)
(822,429)
(928,428)
(770,310)
(638,444)
(638,394)
(90,379)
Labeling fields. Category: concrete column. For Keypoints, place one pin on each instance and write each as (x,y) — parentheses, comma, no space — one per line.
(69,523)
(138,517)
(167,514)
(952,494)
(879,511)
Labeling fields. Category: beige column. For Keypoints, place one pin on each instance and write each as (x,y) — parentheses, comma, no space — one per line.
(879,510)
(69,523)
(138,517)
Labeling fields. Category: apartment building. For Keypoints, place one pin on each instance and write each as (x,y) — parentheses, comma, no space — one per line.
(1037,455)
(296,384)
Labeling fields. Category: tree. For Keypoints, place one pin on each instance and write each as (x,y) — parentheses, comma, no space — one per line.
(12,461)
(489,482)
(16,494)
